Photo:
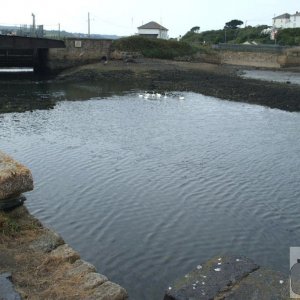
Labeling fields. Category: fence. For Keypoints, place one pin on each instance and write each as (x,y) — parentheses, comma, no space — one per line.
(250,48)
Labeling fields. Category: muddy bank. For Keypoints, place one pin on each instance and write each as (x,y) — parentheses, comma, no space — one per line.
(208,79)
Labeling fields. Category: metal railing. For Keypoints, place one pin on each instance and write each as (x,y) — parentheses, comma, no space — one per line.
(250,48)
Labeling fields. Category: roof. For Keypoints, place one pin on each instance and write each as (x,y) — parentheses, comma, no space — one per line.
(152,25)
(284,16)
(296,14)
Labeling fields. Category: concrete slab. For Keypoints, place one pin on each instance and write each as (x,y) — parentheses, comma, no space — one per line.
(229,277)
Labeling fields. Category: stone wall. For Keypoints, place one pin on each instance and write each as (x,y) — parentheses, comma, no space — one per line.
(292,57)
(252,59)
(288,58)
(78,52)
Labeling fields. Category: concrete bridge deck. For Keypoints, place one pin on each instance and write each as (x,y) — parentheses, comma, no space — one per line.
(8,42)
(19,51)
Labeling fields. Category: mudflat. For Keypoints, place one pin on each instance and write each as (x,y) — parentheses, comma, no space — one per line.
(221,81)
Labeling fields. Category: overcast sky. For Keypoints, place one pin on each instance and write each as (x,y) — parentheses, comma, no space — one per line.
(121,17)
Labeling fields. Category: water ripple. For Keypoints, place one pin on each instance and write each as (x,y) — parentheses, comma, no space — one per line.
(146,190)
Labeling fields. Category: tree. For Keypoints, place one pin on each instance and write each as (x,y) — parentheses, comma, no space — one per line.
(195,29)
(233,24)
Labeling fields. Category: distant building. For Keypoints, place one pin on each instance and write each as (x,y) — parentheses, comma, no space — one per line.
(295,20)
(281,21)
(287,21)
(153,30)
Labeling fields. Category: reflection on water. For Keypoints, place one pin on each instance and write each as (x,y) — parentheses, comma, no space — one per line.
(15,70)
(20,96)
(277,76)
(146,190)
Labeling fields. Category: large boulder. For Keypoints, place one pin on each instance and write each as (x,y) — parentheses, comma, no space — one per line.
(15,178)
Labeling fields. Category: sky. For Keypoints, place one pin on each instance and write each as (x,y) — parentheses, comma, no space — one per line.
(119,17)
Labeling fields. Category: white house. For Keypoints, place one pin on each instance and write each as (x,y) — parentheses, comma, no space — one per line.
(287,21)
(153,30)
(282,21)
(295,20)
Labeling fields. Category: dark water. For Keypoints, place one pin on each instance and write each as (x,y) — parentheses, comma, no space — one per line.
(147,189)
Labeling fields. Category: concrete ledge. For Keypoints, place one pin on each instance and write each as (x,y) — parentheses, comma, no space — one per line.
(229,277)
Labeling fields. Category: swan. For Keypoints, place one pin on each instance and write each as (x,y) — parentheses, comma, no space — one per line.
(158,95)
(181,98)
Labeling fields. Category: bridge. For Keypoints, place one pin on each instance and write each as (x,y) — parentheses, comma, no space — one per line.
(19,51)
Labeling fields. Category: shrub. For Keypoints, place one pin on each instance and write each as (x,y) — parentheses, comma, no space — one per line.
(154,48)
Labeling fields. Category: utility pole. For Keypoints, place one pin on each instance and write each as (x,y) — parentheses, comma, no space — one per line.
(89,25)
(33,24)
(58,30)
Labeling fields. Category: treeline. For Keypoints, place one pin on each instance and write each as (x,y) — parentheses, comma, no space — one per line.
(258,34)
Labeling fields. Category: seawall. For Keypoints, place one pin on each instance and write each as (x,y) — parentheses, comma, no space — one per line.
(78,51)
(260,57)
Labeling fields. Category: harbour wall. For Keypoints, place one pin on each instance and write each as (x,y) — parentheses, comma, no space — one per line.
(264,57)
(78,51)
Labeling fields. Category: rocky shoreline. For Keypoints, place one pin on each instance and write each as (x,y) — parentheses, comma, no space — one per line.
(221,81)
(36,259)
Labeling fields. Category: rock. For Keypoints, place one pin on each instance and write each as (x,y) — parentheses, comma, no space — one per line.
(263,284)
(92,280)
(65,253)
(109,291)
(80,268)
(231,278)
(7,291)
(47,242)
(14,177)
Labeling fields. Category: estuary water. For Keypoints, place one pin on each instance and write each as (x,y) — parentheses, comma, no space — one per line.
(147,189)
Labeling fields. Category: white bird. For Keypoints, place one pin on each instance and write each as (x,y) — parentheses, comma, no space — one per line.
(181,98)
(141,95)
(158,95)
(165,96)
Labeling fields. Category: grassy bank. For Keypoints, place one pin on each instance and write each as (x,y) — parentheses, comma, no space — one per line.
(154,48)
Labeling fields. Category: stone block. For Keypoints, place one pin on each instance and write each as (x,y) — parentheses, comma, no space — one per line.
(92,280)
(80,268)
(47,242)
(109,291)
(263,284)
(230,278)
(65,253)
(15,178)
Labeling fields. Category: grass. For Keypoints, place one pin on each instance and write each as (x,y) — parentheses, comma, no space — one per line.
(8,225)
(13,222)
